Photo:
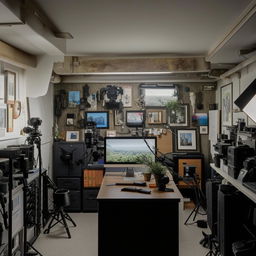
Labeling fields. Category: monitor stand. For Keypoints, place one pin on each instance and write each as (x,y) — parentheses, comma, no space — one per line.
(129,172)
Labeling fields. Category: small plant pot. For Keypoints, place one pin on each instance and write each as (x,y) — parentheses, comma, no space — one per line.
(157,177)
(147,176)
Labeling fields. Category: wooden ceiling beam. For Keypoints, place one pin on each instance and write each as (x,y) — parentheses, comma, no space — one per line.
(11,54)
(89,65)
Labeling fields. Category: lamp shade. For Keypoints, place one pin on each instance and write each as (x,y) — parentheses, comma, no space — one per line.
(247,101)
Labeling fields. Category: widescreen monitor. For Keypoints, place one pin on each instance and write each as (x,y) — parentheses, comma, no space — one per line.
(101,118)
(127,150)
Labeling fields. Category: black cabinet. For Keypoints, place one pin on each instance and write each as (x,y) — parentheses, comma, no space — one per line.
(68,158)
(90,203)
(68,165)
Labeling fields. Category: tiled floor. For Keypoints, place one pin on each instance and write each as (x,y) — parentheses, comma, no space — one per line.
(84,238)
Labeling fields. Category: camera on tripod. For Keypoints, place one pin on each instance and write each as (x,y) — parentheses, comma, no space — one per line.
(35,122)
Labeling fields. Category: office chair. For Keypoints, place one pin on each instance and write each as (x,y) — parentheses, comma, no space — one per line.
(61,199)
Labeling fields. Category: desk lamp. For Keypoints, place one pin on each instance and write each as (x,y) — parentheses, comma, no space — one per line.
(247,101)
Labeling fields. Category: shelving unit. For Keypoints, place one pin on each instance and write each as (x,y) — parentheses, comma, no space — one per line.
(247,192)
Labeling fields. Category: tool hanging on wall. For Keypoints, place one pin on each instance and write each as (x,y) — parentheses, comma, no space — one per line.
(112,97)
(84,100)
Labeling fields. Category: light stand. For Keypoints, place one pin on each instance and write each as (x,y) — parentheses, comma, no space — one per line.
(199,196)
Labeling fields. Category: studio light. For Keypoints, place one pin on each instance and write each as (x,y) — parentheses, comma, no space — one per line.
(247,101)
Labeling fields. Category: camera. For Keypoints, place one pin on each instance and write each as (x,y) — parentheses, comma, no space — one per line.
(33,131)
(35,122)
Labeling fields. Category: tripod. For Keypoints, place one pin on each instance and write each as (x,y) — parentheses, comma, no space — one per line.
(33,138)
(199,198)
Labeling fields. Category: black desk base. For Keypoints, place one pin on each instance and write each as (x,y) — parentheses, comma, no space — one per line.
(138,227)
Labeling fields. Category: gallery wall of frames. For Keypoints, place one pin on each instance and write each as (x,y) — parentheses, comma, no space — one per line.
(13,105)
(158,118)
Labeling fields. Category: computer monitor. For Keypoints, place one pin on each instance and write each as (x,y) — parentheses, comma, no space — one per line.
(101,118)
(126,150)
(135,118)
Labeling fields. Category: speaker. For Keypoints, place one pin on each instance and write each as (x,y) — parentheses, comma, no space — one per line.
(212,187)
(233,208)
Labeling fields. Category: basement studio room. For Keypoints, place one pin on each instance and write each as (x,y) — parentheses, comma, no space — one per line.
(127,128)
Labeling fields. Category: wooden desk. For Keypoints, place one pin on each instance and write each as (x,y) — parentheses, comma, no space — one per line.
(132,223)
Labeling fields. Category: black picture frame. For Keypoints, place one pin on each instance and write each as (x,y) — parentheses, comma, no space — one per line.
(187,140)
(226,104)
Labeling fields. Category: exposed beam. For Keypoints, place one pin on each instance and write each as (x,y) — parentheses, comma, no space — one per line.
(241,21)
(239,67)
(30,13)
(13,55)
(86,65)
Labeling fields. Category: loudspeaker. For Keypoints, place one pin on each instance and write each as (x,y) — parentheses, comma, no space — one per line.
(212,187)
(233,208)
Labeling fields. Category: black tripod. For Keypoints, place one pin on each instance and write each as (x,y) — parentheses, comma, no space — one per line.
(33,138)
(199,198)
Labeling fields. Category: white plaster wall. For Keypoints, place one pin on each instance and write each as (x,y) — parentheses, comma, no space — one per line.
(34,83)
(42,107)
(37,79)
(240,82)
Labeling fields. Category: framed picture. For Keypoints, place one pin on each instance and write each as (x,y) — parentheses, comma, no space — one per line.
(157,96)
(2,89)
(203,129)
(70,119)
(2,117)
(200,119)
(73,99)
(187,140)
(9,118)
(118,118)
(10,87)
(155,116)
(179,116)
(127,96)
(135,118)
(111,133)
(72,135)
(226,104)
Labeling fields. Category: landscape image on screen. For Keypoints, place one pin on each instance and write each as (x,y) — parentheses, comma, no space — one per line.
(128,150)
(99,118)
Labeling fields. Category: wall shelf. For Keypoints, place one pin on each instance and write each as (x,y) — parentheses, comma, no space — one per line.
(247,192)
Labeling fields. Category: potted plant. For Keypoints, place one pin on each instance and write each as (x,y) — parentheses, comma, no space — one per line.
(155,168)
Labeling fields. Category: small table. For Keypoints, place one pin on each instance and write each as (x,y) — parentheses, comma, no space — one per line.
(132,223)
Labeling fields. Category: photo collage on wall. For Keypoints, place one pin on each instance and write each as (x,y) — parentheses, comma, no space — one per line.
(10,105)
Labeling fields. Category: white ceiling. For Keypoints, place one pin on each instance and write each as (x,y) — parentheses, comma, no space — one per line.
(134,27)
(188,27)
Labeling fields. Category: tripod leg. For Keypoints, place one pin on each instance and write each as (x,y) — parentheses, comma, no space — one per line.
(65,223)
(67,216)
(50,223)
(196,212)
(185,223)
(31,246)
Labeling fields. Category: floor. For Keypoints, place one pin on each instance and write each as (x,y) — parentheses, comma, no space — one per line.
(84,238)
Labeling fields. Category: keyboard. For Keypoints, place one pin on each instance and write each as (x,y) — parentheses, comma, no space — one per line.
(251,186)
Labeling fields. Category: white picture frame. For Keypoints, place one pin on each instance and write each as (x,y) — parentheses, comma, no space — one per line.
(127,96)
(2,89)
(226,95)
(10,87)
(187,140)
(203,129)
(72,136)
(3,117)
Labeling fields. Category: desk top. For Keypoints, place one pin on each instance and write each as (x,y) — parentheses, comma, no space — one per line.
(114,192)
